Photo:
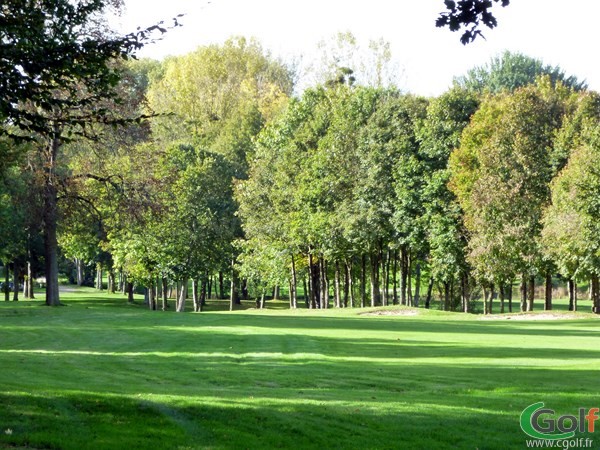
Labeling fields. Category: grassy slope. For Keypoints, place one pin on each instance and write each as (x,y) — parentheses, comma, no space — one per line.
(100,374)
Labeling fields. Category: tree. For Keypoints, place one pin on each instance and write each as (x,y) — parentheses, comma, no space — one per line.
(58,78)
(470,14)
(510,71)
(500,175)
(439,134)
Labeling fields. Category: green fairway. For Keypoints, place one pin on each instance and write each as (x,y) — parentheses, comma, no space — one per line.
(99,374)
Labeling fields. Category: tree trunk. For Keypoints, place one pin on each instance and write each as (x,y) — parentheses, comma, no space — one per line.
(26,283)
(151,298)
(595,293)
(403,274)
(233,292)
(99,276)
(305,281)
(50,216)
(548,292)
(165,301)
(6,282)
(466,294)
(374,284)
(262,300)
(530,292)
(363,281)
(350,283)
(501,290)
(182,296)
(324,284)
(510,295)
(312,292)
(221,289)
(336,286)
(571,287)
(416,298)
(429,292)
(129,288)
(79,270)
(195,298)
(446,296)
(385,276)
(16,276)
(294,286)
(485,300)
(111,282)
(395,279)
(409,294)
(523,293)
(492,293)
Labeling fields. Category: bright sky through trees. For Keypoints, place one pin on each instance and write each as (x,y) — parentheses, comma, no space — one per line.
(560,33)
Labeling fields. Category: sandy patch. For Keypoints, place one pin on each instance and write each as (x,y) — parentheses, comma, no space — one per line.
(534,316)
(392,312)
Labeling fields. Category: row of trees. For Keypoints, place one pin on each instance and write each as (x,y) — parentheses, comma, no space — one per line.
(358,194)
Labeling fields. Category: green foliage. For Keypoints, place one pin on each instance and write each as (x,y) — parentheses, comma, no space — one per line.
(510,71)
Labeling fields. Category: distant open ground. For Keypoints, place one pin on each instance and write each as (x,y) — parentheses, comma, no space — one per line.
(101,374)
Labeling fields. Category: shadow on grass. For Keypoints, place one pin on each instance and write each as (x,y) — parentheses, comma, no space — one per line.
(84,421)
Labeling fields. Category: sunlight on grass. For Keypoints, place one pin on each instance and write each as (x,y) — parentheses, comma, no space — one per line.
(115,377)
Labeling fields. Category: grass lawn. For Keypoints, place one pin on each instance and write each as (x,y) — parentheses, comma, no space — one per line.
(100,374)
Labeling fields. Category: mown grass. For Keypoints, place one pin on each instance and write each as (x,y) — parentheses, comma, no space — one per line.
(101,374)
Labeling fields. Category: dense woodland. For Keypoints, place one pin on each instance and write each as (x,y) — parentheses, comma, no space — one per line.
(351,193)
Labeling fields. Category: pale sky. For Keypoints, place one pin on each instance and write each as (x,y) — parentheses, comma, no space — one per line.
(559,32)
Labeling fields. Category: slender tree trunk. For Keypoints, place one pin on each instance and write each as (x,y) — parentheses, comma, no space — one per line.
(363,281)
(530,292)
(221,289)
(374,284)
(510,296)
(466,294)
(182,296)
(16,276)
(312,291)
(523,293)
(336,286)
(409,294)
(50,216)
(350,284)
(294,286)
(324,284)
(595,293)
(262,299)
(385,270)
(151,298)
(195,298)
(6,282)
(233,293)
(203,291)
(305,281)
(395,278)
(111,282)
(429,292)
(79,270)
(571,288)
(548,292)
(165,301)
(485,300)
(99,276)
(501,291)
(129,287)
(210,286)
(26,283)
(492,294)
(403,274)
(446,296)
(416,298)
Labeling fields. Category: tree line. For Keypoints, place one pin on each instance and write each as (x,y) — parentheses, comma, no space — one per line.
(207,171)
